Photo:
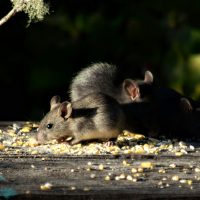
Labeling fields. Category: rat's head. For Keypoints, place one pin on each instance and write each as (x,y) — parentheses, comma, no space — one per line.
(191,118)
(132,88)
(55,123)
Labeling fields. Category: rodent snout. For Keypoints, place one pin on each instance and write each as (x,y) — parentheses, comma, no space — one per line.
(40,137)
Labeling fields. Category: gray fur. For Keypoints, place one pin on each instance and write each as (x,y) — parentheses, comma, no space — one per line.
(97,77)
(104,78)
(95,116)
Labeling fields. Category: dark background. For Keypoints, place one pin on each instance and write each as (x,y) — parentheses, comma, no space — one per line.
(39,61)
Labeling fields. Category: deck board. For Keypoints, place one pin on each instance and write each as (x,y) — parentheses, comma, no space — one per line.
(73,178)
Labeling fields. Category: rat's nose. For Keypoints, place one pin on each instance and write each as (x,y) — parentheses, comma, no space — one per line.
(40,137)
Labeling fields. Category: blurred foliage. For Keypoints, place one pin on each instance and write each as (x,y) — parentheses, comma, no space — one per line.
(40,61)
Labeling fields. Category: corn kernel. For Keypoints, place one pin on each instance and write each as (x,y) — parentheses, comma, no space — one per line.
(146,165)
(175,178)
(107,178)
(46,186)
(2,147)
(101,167)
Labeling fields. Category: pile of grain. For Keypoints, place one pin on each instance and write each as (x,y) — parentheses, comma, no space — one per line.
(19,139)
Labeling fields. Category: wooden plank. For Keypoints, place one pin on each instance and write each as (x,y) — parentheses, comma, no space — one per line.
(85,177)
(75,178)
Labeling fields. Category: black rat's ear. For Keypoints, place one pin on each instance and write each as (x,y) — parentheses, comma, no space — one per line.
(65,110)
(148,77)
(131,89)
(186,105)
(55,101)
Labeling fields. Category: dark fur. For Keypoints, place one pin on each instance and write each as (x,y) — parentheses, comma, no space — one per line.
(171,119)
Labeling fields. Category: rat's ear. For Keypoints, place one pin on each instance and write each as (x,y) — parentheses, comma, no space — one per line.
(148,77)
(65,110)
(55,101)
(186,105)
(131,89)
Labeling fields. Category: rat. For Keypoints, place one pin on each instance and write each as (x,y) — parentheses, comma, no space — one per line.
(175,119)
(95,116)
(101,109)
(105,78)
(99,116)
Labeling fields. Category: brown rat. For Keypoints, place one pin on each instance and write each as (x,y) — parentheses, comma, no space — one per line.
(95,116)
(105,78)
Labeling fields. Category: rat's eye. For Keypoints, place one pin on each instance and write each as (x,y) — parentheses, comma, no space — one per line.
(49,126)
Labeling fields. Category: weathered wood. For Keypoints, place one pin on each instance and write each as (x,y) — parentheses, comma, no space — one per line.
(25,175)
(79,177)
